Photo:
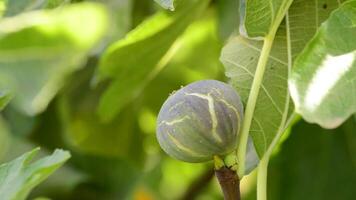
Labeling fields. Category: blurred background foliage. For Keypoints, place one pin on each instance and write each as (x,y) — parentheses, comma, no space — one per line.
(52,54)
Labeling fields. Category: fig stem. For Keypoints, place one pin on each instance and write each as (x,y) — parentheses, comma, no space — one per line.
(229,183)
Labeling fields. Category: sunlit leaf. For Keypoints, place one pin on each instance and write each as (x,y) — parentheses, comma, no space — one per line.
(240,58)
(19,177)
(36,55)
(322,83)
(131,62)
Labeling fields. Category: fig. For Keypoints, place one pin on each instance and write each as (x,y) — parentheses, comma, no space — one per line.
(199,121)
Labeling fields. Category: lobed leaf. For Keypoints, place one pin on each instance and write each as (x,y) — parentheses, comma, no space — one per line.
(240,56)
(322,83)
(19,177)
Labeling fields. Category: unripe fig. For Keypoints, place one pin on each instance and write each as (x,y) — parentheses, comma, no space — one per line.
(199,121)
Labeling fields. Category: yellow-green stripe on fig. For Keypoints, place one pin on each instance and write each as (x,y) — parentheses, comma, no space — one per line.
(200,121)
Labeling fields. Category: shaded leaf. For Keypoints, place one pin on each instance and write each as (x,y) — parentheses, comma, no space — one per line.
(36,55)
(240,57)
(319,162)
(131,62)
(228,17)
(322,83)
(19,177)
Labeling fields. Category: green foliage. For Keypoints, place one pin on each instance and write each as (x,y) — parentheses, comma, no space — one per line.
(240,57)
(315,161)
(91,78)
(85,132)
(228,17)
(322,82)
(131,62)
(19,177)
(37,55)
(260,17)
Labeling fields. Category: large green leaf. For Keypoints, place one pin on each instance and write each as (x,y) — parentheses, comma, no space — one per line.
(259,17)
(240,57)
(39,49)
(131,62)
(320,163)
(19,177)
(322,83)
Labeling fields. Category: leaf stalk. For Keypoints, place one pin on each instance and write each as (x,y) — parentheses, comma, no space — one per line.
(251,103)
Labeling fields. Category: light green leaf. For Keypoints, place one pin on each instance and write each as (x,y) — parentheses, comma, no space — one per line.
(132,62)
(322,83)
(260,17)
(167,4)
(19,177)
(40,49)
(240,56)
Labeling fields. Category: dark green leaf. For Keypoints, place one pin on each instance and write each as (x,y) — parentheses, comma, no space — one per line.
(315,164)
(228,17)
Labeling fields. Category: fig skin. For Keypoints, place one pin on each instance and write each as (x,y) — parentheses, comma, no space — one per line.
(199,121)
